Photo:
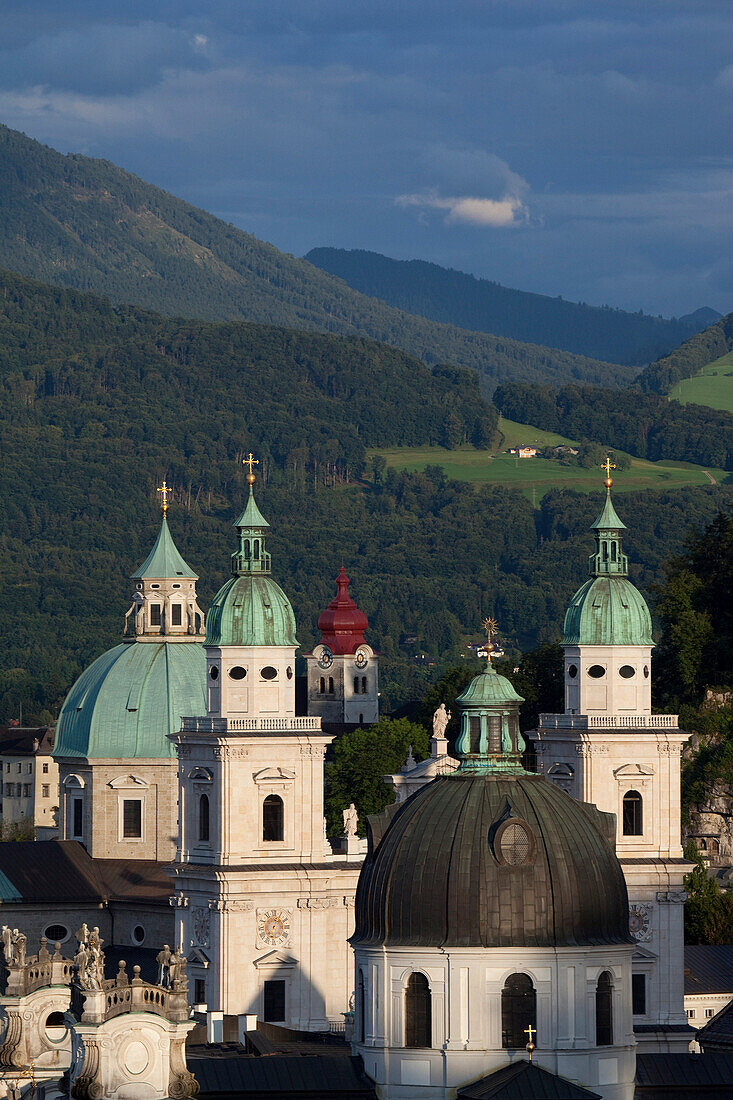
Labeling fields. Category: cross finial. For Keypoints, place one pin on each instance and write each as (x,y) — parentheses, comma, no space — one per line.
(250,461)
(531,1032)
(164,490)
(608,466)
(489,626)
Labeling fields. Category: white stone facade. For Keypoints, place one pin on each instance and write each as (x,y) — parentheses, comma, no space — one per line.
(466,1017)
(343,689)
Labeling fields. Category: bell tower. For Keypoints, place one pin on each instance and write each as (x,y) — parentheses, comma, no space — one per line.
(609,749)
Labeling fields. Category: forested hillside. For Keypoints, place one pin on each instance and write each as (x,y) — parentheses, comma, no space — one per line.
(85,223)
(688,359)
(644,424)
(100,403)
(456,298)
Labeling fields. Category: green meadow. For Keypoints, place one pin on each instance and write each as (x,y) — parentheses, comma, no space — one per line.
(713,386)
(536,476)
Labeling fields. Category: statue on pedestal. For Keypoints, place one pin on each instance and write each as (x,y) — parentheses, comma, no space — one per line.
(351,820)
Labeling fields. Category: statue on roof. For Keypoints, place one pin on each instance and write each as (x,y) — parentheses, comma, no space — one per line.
(351,820)
(441,718)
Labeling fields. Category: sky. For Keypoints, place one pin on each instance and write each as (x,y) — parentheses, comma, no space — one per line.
(570,147)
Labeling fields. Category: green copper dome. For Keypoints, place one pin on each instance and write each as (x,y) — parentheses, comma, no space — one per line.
(489,688)
(251,608)
(128,701)
(608,609)
(164,560)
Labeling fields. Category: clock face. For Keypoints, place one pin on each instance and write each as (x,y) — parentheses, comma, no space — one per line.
(326,658)
(362,658)
(639,921)
(273,926)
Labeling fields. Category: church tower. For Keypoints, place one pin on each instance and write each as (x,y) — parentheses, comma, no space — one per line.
(265,908)
(609,749)
(343,676)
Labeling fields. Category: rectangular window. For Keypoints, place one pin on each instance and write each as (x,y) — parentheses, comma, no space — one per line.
(8,790)
(709,1012)
(45,769)
(199,988)
(46,790)
(26,790)
(176,614)
(274,1001)
(19,768)
(77,818)
(638,994)
(132,818)
(7,767)
(29,769)
(690,1013)
(155,614)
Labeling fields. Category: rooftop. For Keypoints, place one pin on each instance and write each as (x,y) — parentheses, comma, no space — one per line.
(525,1081)
(62,871)
(26,740)
(709,969)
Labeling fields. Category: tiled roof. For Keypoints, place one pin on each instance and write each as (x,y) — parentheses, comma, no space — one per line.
(229,1072)
(709,969)
(525,1081)
(21,741)
(717,1034)
(62,871)
(662,1076)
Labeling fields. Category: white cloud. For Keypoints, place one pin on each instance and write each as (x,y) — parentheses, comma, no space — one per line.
(487,213)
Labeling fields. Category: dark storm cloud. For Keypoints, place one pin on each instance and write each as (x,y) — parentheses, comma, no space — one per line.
(571,147)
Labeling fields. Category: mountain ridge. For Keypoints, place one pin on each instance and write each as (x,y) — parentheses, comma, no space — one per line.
(446,295)
(84,223)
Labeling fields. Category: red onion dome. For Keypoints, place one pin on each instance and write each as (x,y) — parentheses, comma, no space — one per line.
(342,624)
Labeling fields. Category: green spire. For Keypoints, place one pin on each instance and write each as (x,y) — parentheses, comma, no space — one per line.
(164,560)
(609,558)
(490,741)
(251,557)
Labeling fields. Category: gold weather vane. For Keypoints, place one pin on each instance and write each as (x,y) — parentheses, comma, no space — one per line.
(489,626)
(250,461)
(164,490)
(608,466)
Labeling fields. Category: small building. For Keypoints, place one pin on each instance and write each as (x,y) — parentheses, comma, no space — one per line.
(708,981)
(524,452)
(30,782)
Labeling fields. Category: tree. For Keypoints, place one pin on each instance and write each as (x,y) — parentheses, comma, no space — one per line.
(708,909)
(361,758)
(379,465)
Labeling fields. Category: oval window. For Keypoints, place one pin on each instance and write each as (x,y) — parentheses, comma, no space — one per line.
(596,671)
(214,672)
(646,672)
(572,671)
(290,673)
(55,1027)
(138,934)
(268,673)
(237,673)
(514,844)
(627,671)
(56,933)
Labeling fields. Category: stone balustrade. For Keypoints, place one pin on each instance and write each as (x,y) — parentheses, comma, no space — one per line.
(37,971)
(251,725)
(608,721)
(119,995)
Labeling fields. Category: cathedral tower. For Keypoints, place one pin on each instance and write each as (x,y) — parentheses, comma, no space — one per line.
(609,749)
(264,905)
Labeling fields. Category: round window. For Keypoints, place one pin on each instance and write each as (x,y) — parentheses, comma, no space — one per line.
(627,671)
(515,844)
(646,672)
(596,671)
(237,673)
(572,671)
(55,1027)
(268,673)
(214,672)
(56,933)
(138,934)
(290,673)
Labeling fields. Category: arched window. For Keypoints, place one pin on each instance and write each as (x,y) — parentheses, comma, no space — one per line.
(604,1011)
(518,1011)
(204,818)
(633,815)
(418,1021)
(356,685)
(361,1008)
(256,549)
(474,725)
(363,685)
(330,685)
(322,685)
(246,549)
(272,818)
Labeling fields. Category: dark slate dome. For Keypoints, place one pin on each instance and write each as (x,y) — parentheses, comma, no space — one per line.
(491,861)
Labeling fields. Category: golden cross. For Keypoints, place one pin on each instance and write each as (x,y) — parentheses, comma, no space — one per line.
(608,466)
(531,1031)
(489,626)
(250,461)
(164,490)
